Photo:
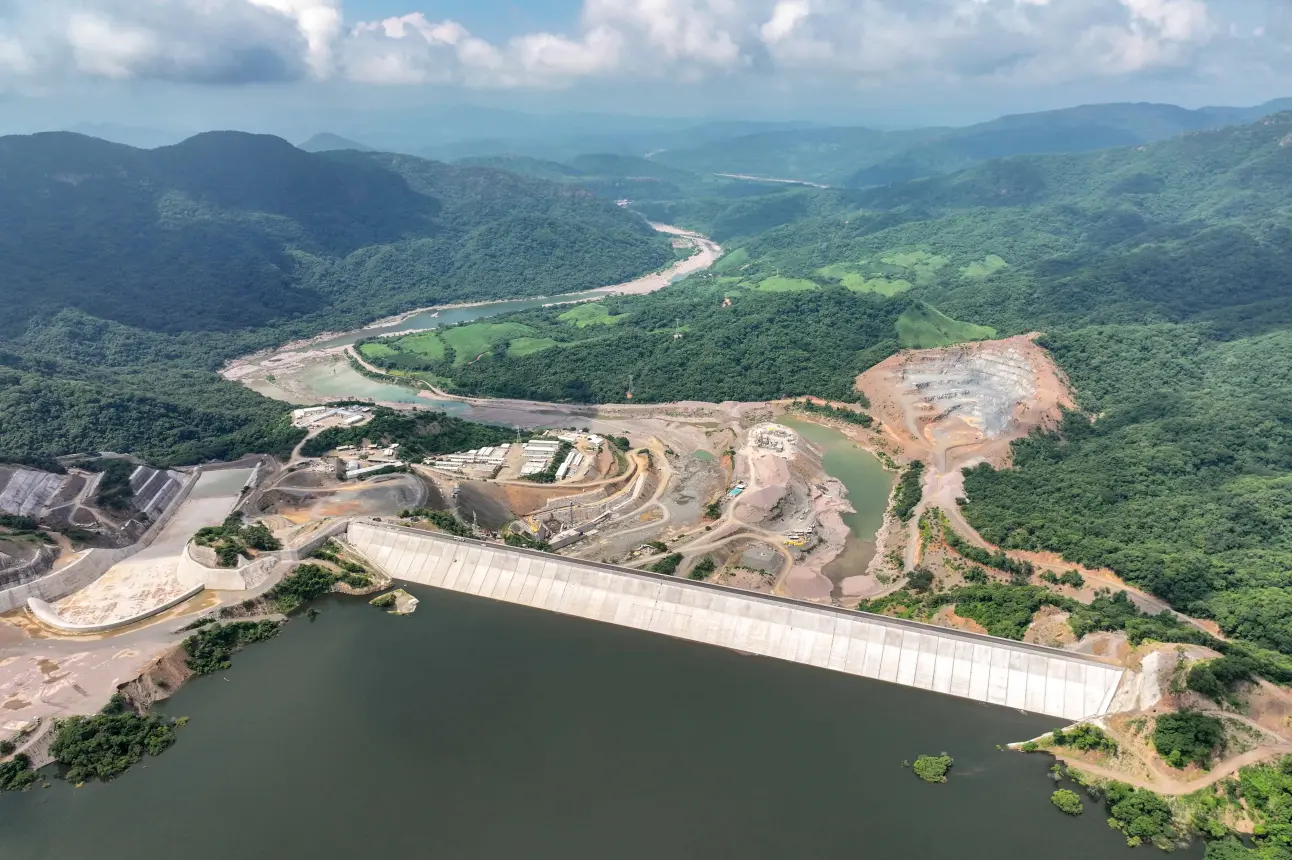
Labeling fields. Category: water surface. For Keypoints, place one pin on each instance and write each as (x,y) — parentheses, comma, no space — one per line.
(476,729)
(869,485)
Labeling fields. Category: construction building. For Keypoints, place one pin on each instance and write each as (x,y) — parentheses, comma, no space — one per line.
(476,463)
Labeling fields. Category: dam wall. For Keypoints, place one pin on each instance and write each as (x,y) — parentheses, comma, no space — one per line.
(982,668)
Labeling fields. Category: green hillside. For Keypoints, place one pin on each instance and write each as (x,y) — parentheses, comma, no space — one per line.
(131,274)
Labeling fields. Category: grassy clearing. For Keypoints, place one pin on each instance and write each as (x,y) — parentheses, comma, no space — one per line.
(529,345)
(736,258)
(883,286)
(471,340)
(376,350)
(592,313)
(988,265)
(888,275)
(924,327)
(778,284)
(921,265)
(427,343)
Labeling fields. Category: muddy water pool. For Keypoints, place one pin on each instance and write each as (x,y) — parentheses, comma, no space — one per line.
(869,485)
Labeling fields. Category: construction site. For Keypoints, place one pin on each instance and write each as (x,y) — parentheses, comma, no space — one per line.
(731,496)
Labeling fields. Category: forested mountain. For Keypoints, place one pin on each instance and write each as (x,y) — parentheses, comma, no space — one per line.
(228,230)
(327,142)
(860,157)
(129,275)
(1161,276)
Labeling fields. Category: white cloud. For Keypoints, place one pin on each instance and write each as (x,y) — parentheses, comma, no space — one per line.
(837,43)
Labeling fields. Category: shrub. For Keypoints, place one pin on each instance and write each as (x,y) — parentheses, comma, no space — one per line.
(16,774)
(104,746)
(305,583)
(1086,738)
(1216,679)
(1140,814)
(1068,802)
(210,649)
(1187,737)
(909,490)
(703,568)
(920,579)
(933,768)
(668,564)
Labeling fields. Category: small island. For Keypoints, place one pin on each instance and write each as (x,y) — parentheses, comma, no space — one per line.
(397,602)
(933,768)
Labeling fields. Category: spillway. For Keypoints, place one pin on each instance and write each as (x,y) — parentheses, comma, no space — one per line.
(983,668)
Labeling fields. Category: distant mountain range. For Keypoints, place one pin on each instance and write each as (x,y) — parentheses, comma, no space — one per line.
(863,157)
(328,142)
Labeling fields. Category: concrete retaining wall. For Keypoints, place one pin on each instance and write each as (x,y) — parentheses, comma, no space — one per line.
(982,668)
(301,551)
(92,564)
(194,574)
(49,616)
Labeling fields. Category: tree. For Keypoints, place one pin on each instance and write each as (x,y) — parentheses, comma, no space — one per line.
(1187,737)
(1068,802)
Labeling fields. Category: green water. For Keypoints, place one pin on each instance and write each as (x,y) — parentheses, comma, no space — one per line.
(476,730)
(869,485)
(703,456)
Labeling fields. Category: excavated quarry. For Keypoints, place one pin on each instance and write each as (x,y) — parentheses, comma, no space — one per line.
(966,403)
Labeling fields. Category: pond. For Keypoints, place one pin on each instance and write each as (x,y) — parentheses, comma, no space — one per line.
(869,485)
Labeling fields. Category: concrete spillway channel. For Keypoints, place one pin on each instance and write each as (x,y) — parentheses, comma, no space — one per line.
(982,668)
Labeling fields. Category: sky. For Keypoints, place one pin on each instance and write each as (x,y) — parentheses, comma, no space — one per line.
(264,64)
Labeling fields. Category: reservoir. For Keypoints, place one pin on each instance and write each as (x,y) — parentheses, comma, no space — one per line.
(869,485)
(479,730)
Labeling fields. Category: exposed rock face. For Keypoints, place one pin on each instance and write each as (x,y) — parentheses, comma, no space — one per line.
(159,680)
(966,402)
(24,562)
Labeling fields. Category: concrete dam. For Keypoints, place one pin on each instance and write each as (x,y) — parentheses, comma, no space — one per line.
(983,668)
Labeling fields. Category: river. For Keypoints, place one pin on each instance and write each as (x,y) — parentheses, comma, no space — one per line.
(335,379)
(476,729)
(869,485)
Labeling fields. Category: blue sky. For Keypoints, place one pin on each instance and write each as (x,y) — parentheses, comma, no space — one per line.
(254,63)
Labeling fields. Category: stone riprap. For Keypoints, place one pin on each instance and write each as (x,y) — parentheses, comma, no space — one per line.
(982,668)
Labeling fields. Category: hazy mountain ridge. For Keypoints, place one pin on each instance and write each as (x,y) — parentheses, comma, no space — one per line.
(325,141)
(861,157)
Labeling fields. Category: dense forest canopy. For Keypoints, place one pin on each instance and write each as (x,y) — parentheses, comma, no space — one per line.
(756,347)
(130,275)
